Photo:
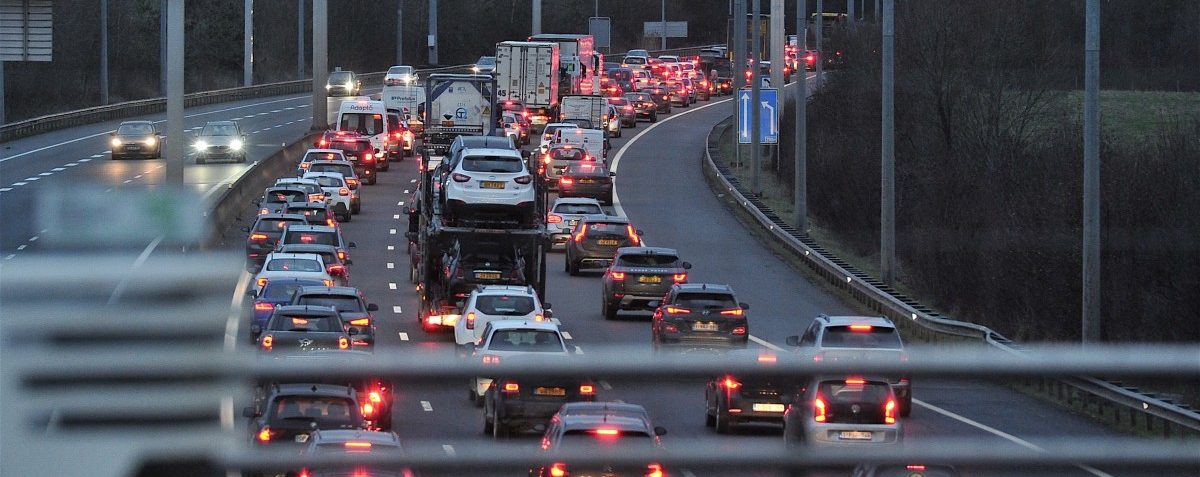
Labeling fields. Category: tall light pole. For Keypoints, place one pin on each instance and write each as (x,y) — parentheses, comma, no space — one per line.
(320,63)
(248,43)
(819,25)
(399,32)
(433,36)
(663,16)
(739,65)
(162,47)
(800,189)
(103,51)
(755,98)
(1092,320)
(175,150)
(537,18)
(777,40)
(887,190)
(299,39)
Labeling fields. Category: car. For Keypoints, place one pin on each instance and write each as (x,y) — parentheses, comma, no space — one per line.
(668,58)
(637,52)
(487,261)
(315,192)
(644,106)
(315,213)
(608,434)
(497,302)
(513,405)
(704,88)
(639,277)
(556,159)
(622,79)
(334,265)
(400,75)
(612,120)
(341,196)
(303,329)
(135,139)
(263,236)
(841,338)
(375,394)
(291,413)
(358,150)
(276,293)
(485,65)
(356,313)
(904,470)
(678,93)
(354,443)
(507,339)
(291,265)
(220,140)
(662,98)
(317,234)
(587,179)
(342,83)
(616,409)
(595,240)
(512,128)
(691,87)
(402,142)
(490,182)
(441,172)
(275,197)
(566,213)
(318,155)
(626,111)
(730,400)
(844,411)
(548,135)
(700,314)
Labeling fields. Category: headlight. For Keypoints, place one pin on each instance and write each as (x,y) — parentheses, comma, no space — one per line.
(475,69)
(349,86)
(235,144)
(200,145)
(116,142)
(328,87)
(150,141)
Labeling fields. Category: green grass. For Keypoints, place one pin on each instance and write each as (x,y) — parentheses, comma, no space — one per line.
(1136,116)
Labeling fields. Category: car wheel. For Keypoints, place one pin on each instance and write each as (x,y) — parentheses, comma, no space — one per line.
(487,425)
(499,430)
(610,310)
(721,420)
(709,419)
(475,398)
(572,268)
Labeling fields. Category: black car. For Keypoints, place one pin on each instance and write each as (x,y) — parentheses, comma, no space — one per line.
(731,400)
(595,240)
(356,313)
(375,395)
(263,236)
(587,179)
(302,329)
(290,413)
(644,105)
(661,97)
(358,150)
(276,197)
(604,435)
(135,139)
(700,314)
(315,213)
(515,405)
(334,265)
(639,277)
(484,262)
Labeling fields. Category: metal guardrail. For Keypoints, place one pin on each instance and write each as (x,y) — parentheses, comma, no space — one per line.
(1123,406)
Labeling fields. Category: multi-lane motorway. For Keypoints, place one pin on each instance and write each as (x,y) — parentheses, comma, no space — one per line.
(660,186)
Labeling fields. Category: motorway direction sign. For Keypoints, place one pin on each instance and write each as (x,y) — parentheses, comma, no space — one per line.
(768,105)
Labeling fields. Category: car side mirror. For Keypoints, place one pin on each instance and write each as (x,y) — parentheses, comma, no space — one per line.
(793,340)
(329,194)
(249,411)
(744,305)
(612,174)
(687,266)
(372,307)
(654,304)
(660,431)
(250,292)
(255,329)
(353,245)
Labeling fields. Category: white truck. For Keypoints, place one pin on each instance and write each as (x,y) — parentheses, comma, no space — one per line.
(527,72)
(408,101)
(456,105)
(580,61)
(592,109)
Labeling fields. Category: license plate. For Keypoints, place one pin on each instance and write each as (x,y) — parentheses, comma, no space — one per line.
(704,326)
(854,435)
(492,184)
(133,148)
(650,279)
(587,181)
(487,275)
(767,407)
(550,392)
(573,223)
(608,242)
(301,437)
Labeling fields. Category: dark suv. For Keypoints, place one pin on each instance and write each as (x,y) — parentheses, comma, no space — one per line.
(264,235)
(484,262)
(701,314)
(355,312)
(275,198)
(514,405)
(595,240)
(375,394)
(290,413)
(640,276)
(858,338)
(357,149)
(661,97)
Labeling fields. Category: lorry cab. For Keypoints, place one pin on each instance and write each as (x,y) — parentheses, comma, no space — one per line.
(367,117)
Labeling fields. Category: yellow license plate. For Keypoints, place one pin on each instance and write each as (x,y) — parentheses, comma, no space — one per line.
(702,326)
(550,392)
(492,184)
(854,435)
(487,275)
(650,279)
(587,181)
(610,242)
(768,407)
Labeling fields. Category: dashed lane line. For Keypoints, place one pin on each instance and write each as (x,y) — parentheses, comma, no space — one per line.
(403,336)
(391,286)
(426,406)
(396,309)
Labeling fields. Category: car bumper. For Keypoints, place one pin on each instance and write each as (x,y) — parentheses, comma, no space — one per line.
(590,190)
(742,409)
(528,413)
(833,435)
(469,198)
(639,300)
(700,338)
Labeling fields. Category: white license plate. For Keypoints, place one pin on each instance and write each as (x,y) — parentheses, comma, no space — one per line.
(573,223)
(301,438)
(854,435)
(768,407)
(701,326)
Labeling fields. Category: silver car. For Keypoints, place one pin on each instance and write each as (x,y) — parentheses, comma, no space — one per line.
(849,411)
(567,212)
(221,140)
(401,75)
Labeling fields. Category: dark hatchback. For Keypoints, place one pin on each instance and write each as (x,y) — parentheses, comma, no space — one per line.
(586,179)
(355,312)
(277,292)
(302,329)
(357,149)
(290,413)
(700,314)
(264,235)
(643,105)
(661,97)
(595,240)
(639,277)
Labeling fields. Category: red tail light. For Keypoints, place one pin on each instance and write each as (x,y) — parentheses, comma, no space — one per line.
(655,470)
(460,177)
(511,387)
(559,469)
(889,412)
(257,237)
(267,342)
(819,409)
(470,320)
(553,219)
(733,312)
(264,434)
(352,183)
(336,270)
(375,396)
(263,306)
(918,468)
(579,236)
(730,383)
(361,322)
(343,343)
(368,411)
(739,330)
(629,107)
(633,236)
(523,179)
(679,277)
(262,282)
(491,359)
(343,192)
(860,328)
(678,311)
(587,389)
(566,181)
(617,276)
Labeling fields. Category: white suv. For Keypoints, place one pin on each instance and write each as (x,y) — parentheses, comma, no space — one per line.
(340,195)
(488,180)
(509,339)
(497,302)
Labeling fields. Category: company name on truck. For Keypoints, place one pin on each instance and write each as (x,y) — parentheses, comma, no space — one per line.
(360,108)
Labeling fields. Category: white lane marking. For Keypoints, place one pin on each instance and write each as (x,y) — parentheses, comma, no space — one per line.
(414,181)
(19,183)
(392,231)
(31,179)
(578,350)
(275,110)
(399,203)
(391,286)
(391,265)
(406,191)
(235,310)
(44,174)
(97,156)
(764,343)
(58,169)
(403,336)
(139,176)
(71,164)
(21,247)
(1006,436)
(6,189)
(396,309)
(449,449)
(396,216)
(391,247)
(128,181)
(34,238)
(10,256)
(605,386)
(141,259)
(688,473)
(566,335)
(227,413)
(425,406)
(86,159)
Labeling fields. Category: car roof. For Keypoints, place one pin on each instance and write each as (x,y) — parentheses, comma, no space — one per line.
(576,200)
(601,408)
(491,151)
(647,251)
(338,175)
(294,180)
(607,218)
(307,247)
(342,435)
(307,310)
(704,287)
(307,205)
(276,188)
(292,255)
(136,122)
(292,280)
(281,216)
(523,324)
(314,389)
(327,290)
(338,151)
(592,421)
(221,122)
(878,321)
(504,290)
(312,228)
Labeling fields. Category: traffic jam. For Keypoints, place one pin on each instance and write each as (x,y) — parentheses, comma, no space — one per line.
(503,180)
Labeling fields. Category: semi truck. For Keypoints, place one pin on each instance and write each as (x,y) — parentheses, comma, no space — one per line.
(528,73)
(582,65)
(456,105)
(587,108)
(408,102)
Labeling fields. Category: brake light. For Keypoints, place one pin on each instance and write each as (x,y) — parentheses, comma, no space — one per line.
(304,165)
(257,237)
(263,306)
(343,343)
(470,320)
(918,468)
(358,445)
(341,254)
(491,359)
(617,276)
(860,328)
(368,410)
(553,219)
(730,383)
(733,312)
(336,269)
(262,282)
(263,211)
(264,435)
(739,330)
(368,157)
(587,389)
(629,107)
(679,277)
(343,192)
(327,282)
(523,179)
(460,177)
(889,412)
(559,469)
(669,328)
(511,387)
(579,236)
(655,470)
(606,431)
(633,237)
(361,322)
(330,222)
(856,381)
(267,342)
(678,311)
(566,181)
(819,409)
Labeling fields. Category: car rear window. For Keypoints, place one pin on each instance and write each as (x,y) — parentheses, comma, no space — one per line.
(317,214)
(640,97)
(285,196)
(651,261)
(319,323)
(608,228)
(341,302)
(327,181)
(854,401)
(578,209)
(504,305)
(219,130)
(318,408)
(635,60)
(706,300)
(537,341)
(354,146)
(318,238)
(621,74)
(567,154)
(322,156)
(281,291)
(587,169)
(293,265)
(274,225)
(343,169)
(492,164)
(856,337)
(601,440)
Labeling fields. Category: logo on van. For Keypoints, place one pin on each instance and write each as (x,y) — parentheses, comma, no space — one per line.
(360,108)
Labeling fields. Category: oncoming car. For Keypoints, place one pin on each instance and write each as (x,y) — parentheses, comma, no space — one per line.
(220,140)
(135,139)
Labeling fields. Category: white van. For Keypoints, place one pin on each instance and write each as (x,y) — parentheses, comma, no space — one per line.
(367,117)
(590,140)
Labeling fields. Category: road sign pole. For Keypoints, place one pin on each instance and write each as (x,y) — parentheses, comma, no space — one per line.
(1092,320)
(248,43)
(775,44)
(887,192)
(103,51)
(320,63)
(738,17)
(819,25)
(175,143)
(399,32)
(299,39)
(433,47)
(755,100)
(537,17)
(800,188)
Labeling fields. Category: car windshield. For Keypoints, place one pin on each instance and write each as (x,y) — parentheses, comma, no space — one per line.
(319,238)
(706,300)
(486,61)
(316,323)
(492,164)
(219,130)
(861,336)
(352,146)
(639,97)
(504,305)
(139,129)
(537,341)
(318,214)
(343,169)
(581,209)
(607,228)
(635,60)
(274,225)
(853,400)
(567,154)
(395,70)
(294,265)
(322,156)
(282,291)
(341,302)
(329,181)
(328,409)
(649,261)
(339,77)
(368,124)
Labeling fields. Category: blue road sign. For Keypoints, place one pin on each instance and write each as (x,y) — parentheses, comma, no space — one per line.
(768,105)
